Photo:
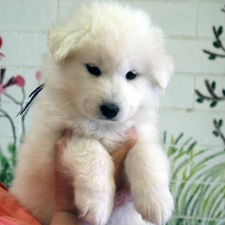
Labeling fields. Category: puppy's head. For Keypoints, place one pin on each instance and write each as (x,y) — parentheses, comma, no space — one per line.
(112,60)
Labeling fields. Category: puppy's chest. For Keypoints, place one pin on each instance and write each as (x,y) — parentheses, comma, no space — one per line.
(110,141)
(111,144)
(109,138)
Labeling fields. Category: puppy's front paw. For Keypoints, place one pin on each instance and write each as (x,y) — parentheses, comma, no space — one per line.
(154,206)
(94,206)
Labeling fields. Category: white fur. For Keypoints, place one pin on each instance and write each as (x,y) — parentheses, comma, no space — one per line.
(117,39)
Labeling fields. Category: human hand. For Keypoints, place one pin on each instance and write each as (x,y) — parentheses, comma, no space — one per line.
(65,212)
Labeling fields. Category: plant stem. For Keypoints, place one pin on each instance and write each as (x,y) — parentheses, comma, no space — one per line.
(211,92)
(213,53)
(12,125)
(23,116)
(218,39)
(13,99)
(203,96)
(219,131)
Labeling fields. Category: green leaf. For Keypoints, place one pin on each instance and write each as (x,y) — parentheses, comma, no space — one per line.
(217,44)
(11,148)
(220,31)
(178,138)
(215,133)
(220,123)
(191,147)
(213,104)
(212,56)
(184,174)
(223,91)
(164,137)
(200,100)
(172,140)
(213,85)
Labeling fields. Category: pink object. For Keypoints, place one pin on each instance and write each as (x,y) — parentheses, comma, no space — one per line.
(11,212)
(38,75)
(122,197)
(2,89)
(19,80)
(1,42)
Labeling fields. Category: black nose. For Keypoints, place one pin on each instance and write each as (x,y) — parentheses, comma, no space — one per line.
(109,110)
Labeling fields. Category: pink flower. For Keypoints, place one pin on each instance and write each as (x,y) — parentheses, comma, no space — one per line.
(1,42)
(2,89)
(19,81)
(38,75)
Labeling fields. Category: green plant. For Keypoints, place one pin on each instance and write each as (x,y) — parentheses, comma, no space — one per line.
(197,200)
(8,156)
(212,97)
(218,124)
(7,165)
(217,43)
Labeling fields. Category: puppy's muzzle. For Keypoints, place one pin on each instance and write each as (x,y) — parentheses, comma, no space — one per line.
(109,110)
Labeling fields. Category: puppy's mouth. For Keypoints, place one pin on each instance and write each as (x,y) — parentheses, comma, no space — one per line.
(103,119)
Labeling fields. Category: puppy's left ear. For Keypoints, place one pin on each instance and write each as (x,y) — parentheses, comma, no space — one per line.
(164,68)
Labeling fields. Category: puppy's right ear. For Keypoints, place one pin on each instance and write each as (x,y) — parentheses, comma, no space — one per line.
(55,38)
(60,42)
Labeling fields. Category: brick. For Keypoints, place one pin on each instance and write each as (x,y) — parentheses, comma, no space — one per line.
(172,23)
(66,8)
(34,48)
(197,124)
(26,15)
(209,15)
(12,49)
(175,18)
(179,93)
(6,128)
(30,82)
(190,58)
(200,86)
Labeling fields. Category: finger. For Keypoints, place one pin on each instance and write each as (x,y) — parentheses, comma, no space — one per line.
(64,192)
(59,147)
(121,152)
(68,133)
(61,144)
(131,138)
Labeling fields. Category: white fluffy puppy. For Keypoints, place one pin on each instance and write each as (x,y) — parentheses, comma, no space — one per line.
(106,72)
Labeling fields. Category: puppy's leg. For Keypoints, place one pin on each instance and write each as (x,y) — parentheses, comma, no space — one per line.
(147,170)
(33,185)
(92,170)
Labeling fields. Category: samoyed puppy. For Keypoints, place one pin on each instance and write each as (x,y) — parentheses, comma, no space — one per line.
(107,68)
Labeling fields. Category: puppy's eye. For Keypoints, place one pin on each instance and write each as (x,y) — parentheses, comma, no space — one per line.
(131,75)
(94,70)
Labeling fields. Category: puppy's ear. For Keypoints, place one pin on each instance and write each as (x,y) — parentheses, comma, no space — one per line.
(61,41)
(164,69)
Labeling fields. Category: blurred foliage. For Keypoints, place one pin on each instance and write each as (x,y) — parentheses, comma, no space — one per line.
(195,174)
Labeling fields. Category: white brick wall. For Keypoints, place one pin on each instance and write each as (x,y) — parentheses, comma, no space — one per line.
(188,28)
(27,16)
